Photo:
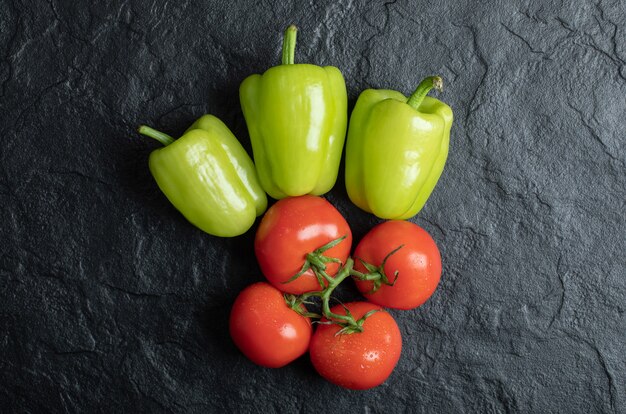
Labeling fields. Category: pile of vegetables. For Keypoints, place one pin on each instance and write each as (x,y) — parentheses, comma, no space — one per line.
(297,119)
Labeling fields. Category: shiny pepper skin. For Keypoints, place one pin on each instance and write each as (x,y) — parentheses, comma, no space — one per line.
(208,176)
(296,116)
(396,150)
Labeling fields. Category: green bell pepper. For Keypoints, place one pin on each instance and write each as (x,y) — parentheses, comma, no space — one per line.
(396,150)
(209,177)
(296,116)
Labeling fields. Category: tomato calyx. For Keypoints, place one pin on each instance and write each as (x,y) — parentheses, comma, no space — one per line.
(295,303)
(350,328)
(316,261)
(376,274)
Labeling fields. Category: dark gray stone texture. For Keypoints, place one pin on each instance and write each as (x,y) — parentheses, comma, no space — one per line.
(111,302)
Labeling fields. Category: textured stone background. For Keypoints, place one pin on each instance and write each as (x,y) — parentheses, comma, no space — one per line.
(110,301)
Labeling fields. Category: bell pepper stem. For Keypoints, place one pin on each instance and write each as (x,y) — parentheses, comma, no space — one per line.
(415,100)
(162,137)
(289,45)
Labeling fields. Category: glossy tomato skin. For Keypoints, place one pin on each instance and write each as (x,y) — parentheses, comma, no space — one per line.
(418,264)
(265,329)
(289,230)
(357,361)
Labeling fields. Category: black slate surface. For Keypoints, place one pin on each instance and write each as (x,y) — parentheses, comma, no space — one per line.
(110,301)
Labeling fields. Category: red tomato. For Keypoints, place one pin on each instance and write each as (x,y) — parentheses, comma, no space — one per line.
(359,360)
(418,264)
(289,230)
(265,329)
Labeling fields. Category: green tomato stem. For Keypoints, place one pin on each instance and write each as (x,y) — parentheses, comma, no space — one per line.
(289,45)
(162,137)
(377,274)
(324,295)
(366,276)
(295,303)
(316,261)
(343,273)
(415,100)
